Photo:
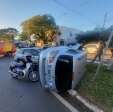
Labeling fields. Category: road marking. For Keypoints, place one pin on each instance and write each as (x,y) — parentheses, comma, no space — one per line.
(64,102)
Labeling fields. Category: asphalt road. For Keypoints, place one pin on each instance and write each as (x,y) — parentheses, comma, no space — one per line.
(24,96)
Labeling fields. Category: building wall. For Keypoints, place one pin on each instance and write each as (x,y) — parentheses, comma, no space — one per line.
(68,34)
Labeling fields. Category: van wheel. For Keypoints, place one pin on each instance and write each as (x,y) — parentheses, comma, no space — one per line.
(33,76)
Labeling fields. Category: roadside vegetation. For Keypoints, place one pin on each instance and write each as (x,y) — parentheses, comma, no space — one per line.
(100,90)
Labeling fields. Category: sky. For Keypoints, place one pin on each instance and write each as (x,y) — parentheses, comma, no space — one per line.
(80,14)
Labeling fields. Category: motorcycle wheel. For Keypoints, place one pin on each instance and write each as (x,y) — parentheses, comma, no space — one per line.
(33,76)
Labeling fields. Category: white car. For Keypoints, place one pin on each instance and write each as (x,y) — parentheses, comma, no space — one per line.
(33,51)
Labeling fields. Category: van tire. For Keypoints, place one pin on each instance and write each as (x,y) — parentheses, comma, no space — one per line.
(33,76)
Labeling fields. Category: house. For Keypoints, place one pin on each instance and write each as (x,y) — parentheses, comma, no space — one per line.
(68,35)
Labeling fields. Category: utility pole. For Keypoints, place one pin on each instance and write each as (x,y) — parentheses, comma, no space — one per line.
(105,19)
(107,45)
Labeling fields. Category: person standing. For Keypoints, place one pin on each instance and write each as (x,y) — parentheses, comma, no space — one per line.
(99,51)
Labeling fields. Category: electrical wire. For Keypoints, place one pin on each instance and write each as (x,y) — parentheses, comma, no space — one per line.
(85,3)
(74,11)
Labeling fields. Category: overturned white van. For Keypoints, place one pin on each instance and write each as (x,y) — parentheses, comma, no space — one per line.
(61,68)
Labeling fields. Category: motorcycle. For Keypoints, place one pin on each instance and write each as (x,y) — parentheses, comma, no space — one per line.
(24,68)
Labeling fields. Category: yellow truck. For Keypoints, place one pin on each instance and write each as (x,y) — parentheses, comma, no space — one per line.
(7,48)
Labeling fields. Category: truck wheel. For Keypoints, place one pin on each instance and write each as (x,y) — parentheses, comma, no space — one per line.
(33,76)
(9,54)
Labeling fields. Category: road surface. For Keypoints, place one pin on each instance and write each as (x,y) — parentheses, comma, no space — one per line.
(24,96)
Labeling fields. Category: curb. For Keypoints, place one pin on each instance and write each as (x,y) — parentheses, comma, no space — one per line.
(88,104)
(64,102)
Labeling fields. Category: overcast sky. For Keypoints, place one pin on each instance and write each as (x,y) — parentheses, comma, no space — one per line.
(79,14)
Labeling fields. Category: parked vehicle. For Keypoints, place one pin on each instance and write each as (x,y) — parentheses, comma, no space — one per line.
(75,46)
(61,68)
(108,54)
(46,46)
(7,48)
(91,50)
(33,51)
(24,68)
(21,44)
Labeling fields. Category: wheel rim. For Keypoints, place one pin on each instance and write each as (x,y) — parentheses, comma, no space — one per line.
(33,76)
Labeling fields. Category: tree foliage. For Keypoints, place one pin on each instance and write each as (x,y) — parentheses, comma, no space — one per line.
(92,36)
(6,37)
(43,26)
(12,31)
(8,33)
(98,34)
(23,37)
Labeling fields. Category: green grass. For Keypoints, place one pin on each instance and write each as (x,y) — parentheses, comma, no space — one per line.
(100,90)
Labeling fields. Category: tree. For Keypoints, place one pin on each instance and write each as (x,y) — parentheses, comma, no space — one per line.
(43,26)
(23,37)
(98,34)
(6,37)
(8,33)
(91,36)
(11,31)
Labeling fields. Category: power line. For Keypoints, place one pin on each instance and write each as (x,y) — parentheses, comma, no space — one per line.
(73,11)
(111,18)
(84,3)
(105,19)
(108,17)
